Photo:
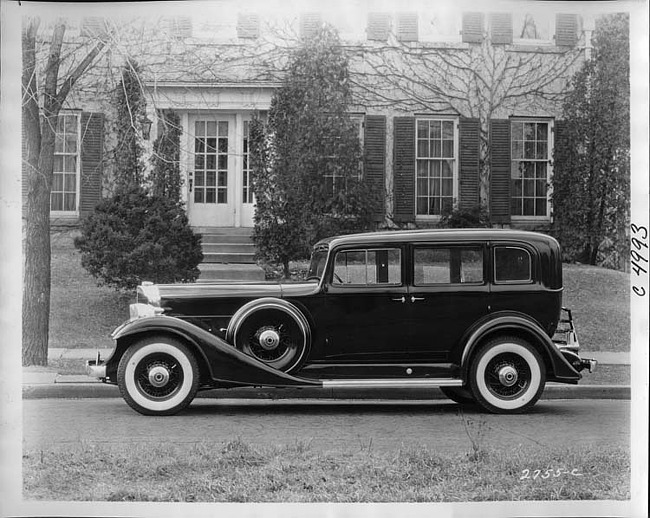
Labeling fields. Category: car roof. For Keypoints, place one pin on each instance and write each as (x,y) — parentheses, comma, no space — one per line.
(432,235)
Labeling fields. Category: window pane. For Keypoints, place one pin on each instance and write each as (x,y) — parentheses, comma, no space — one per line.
(211,145)
(58,163)
(222,196)
(210,195)
(511,264)
(71,183)
(448,130)
(199,145)
(542,150)
(71,143)
(423,129)
(222,162)
(57,182)
(223,145)
(69,201)
(423,186)
(448,148)
(199,161)
(350,268)
(529,188)
(431,266)
(423,148)
(423,168)
(223,179)
(223,129)
(447,187)
(436,148)
(540,207)
(211,178)
(436,129)
(210,161)
(471,265)
(198,196)
(529,207)
(199,128)
(57,201)
(211,129)
(70,163)
(199,178)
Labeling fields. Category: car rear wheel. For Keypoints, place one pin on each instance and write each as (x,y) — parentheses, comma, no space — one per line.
(507,375)
(275,335)
(459,395)
(158,376)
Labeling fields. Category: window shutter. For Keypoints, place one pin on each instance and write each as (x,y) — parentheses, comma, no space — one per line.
(472,27)
(407,27)
(92,144)
(374,151)
(378,26)
(500,171)
(566,29)
(469,130)
(310,24)
(501,28)
(248,26)
(404,169)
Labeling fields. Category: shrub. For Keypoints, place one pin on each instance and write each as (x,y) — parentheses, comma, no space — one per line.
(476,217)
(134,237)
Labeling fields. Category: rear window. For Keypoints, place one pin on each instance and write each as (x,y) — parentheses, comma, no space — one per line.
(512,264)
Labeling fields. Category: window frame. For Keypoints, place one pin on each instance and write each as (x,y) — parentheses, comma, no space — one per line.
(455,168)
(376,285)
(527,218)
(77,154)
(332,178)
(531,258)
(534,41)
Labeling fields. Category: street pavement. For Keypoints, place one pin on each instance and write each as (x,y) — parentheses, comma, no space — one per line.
(41,383)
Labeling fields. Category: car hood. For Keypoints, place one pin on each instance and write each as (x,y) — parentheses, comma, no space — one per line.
(235,290)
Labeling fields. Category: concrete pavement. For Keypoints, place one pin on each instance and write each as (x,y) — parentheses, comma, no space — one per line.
(47,382)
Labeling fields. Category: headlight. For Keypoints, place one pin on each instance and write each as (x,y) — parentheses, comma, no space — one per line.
(148,293)
(139,310)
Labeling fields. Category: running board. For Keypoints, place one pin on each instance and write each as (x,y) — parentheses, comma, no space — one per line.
(392,383)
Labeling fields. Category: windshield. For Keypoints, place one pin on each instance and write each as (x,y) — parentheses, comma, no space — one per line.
(317,265)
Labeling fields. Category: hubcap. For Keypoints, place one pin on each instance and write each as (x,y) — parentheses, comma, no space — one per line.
(508,375)
(158,376)
(269,339)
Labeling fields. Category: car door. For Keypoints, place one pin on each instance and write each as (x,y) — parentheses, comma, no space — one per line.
(366,305)
(448,292)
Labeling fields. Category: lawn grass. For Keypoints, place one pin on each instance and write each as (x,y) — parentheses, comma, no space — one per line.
(239,472)
(83,314)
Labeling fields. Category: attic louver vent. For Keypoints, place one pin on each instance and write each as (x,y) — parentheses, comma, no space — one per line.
(310,24)
(407,27)
(248,26)
(378,26)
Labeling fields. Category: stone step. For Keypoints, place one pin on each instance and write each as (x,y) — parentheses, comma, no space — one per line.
(228,248)
(225,238)
(228,258)
(230,272)
(223,231)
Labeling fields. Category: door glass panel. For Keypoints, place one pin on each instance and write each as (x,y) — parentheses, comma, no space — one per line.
(211,162)
(453,265)
(368,267)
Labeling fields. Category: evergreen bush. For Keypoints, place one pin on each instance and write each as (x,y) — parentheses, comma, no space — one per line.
(476,217)
(134,237)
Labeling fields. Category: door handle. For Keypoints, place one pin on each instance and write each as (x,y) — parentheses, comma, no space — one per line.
(402,299)
(413,299)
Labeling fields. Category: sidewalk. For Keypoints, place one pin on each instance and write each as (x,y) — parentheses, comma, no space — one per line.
(46,382)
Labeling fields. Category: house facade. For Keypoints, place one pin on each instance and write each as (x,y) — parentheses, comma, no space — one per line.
(455,107)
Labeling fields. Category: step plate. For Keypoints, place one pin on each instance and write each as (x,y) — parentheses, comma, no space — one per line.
(392,383)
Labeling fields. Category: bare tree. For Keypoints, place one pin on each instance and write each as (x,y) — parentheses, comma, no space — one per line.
(40,122)
(480,81)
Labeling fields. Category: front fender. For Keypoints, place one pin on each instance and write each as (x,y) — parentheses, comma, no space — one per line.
(224,363)
(513,323)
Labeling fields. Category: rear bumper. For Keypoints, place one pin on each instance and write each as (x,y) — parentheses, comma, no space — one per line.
(96,368)
(566,340)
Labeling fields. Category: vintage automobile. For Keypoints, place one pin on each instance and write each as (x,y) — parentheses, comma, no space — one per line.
(476,313)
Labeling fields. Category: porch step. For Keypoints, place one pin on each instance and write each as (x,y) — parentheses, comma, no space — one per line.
(211,272)
(228,248)
(226,257)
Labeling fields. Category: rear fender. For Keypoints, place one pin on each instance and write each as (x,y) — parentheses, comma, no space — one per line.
(519,325)
(223,362)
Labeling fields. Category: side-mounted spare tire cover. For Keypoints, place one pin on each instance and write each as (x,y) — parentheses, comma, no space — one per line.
(273,331)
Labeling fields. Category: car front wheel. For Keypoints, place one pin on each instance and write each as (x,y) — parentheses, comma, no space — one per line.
(507,376)
(158,376)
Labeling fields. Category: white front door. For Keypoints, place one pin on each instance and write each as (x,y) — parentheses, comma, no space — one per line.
(219,188)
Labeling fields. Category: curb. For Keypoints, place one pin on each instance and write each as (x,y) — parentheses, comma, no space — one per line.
(94,390)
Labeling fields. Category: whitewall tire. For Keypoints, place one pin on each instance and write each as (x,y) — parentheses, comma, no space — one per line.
(158,376)
(507,375)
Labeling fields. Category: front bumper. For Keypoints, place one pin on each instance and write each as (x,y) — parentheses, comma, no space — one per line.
(566,340)
(96,368)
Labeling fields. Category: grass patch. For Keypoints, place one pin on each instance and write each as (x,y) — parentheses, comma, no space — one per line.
(84,314)
(239,472)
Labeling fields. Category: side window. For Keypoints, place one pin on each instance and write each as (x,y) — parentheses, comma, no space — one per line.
(512,264)
(454,265)
(368,267)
